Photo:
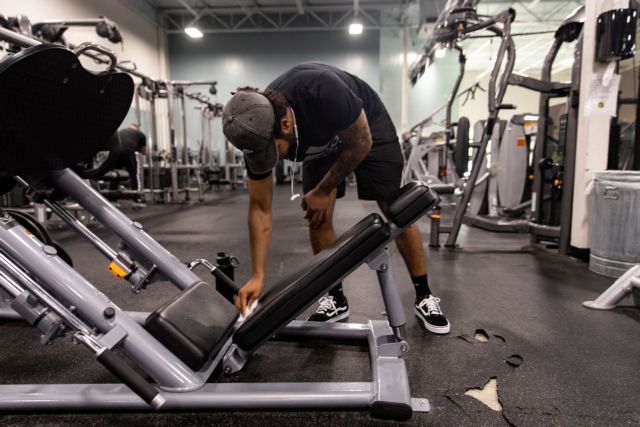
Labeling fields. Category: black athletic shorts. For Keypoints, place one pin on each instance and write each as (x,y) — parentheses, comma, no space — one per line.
(378,176)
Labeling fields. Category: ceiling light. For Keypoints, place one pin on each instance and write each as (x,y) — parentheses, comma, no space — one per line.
(193,32)
(355,28)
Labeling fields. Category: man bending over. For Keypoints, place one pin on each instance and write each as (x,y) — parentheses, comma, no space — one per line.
(336,124)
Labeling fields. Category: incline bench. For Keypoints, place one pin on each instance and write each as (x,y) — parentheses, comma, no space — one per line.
(197,323)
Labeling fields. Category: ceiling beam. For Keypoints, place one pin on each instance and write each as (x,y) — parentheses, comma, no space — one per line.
(288,29)
(319,19)
(300,7)
(188,7)
(293,8)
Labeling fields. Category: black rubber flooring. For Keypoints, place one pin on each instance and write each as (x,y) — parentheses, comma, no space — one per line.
(555,362)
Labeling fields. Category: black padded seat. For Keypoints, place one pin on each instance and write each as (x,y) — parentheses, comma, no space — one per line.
(291,295)
(194,324)
(54,113)
(410,203)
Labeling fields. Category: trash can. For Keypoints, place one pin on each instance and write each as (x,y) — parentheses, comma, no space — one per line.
(615,222)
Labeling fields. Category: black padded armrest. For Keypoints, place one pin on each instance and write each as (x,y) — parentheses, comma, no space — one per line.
(443,188)
(193,324)
(412,201)
(291,295)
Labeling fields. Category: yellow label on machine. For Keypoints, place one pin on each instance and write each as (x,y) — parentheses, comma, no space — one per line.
(530,128)
(117,271)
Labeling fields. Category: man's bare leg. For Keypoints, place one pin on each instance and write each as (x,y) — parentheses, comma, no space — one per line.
(410,247)
(322,237)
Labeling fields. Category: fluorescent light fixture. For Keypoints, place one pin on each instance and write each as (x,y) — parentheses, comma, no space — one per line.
(440,52)
(530,118)
(355,28)
(193,32)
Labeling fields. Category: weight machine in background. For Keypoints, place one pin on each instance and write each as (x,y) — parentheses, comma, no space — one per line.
(552,164)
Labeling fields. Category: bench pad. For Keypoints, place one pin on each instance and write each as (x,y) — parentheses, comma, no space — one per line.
(193,324)
(410,203)
(294,293)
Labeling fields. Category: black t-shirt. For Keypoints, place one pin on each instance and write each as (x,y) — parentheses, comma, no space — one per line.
(325,101)
(131,139)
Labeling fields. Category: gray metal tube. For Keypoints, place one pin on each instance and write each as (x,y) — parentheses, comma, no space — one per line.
(542,137)
(46,299)
(566,205)
(8,313)
(390,292)
(82,229)
(495,100)
(299,329)
(17,39)
(70,287)
(9,284)
(391,297)
(183,119)
(153,147)
(454,94)
(130,232)
(172,142)
(117,397)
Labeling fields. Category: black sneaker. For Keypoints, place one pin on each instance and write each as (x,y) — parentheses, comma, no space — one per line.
(428,311)
(330,310)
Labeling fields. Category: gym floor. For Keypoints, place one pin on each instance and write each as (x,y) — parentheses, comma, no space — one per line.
(516,318)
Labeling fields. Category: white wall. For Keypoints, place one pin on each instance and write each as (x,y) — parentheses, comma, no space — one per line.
(593,131)
(144,42)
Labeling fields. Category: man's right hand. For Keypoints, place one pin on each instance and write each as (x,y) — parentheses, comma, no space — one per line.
(249,293)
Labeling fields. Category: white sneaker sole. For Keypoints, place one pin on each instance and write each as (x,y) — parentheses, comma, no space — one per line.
(338,318)
(440,330)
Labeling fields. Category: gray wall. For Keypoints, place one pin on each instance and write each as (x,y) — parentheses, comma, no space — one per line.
(256,59)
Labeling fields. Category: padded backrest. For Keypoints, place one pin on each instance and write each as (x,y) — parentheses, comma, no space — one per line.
(291,295)
(53,112)
(410,203)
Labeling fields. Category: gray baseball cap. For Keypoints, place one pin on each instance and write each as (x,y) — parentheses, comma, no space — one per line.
(247,122)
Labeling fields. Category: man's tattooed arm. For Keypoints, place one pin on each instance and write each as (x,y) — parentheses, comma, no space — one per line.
(357,140)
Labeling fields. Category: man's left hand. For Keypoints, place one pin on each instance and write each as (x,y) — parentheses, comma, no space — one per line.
(316,203)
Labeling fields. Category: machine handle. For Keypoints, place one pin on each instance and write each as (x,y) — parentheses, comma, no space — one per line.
(131,378)
(225,285)
(83,47)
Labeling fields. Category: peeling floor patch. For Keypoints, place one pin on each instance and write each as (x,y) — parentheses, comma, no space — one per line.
(481,335)
(487,394)
(514,360)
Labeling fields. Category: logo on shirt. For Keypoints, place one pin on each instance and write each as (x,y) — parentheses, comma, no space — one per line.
(320,151)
